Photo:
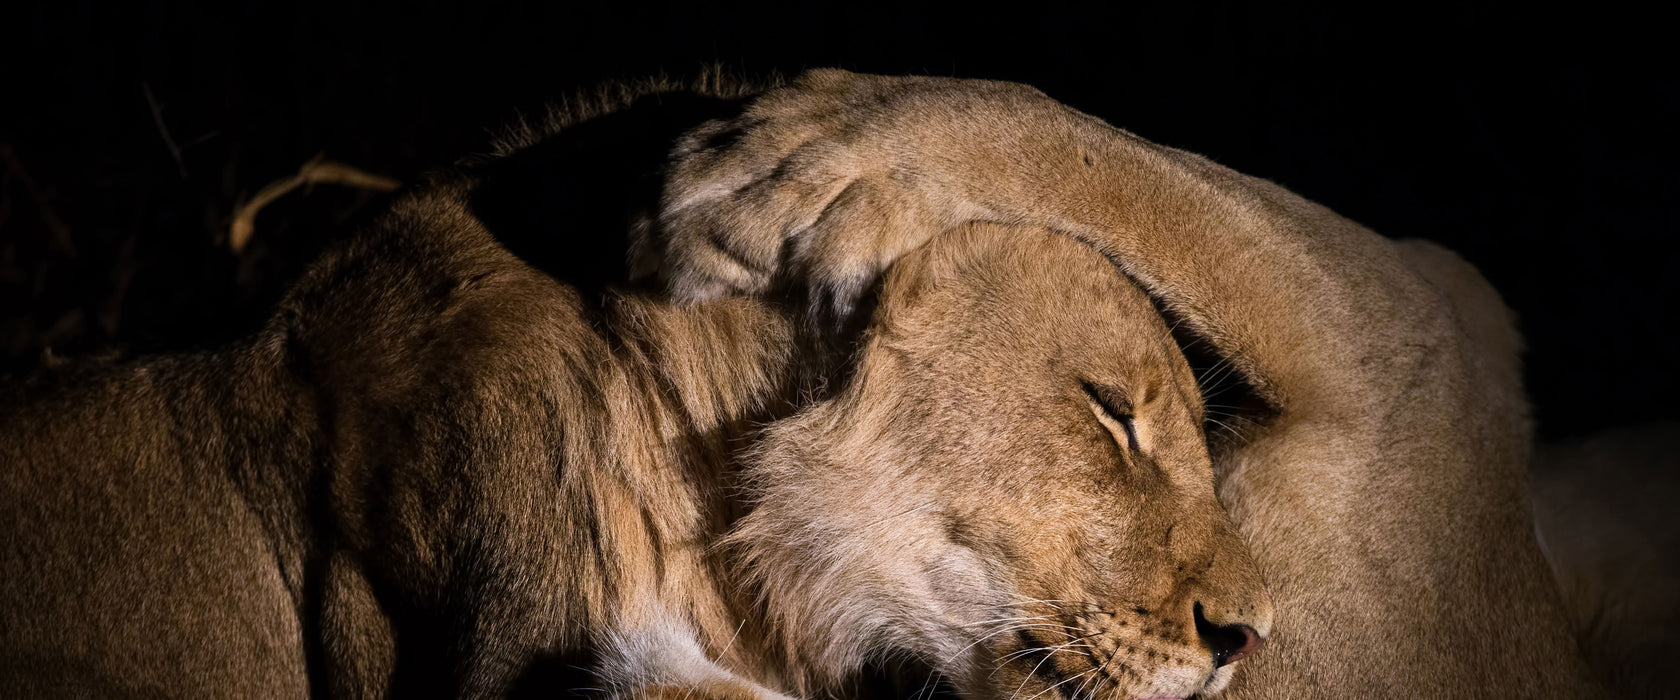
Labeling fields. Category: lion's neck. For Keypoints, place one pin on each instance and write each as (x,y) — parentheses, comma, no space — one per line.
(713,376)
(704,380)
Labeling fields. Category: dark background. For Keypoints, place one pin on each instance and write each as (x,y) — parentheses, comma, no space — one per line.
(1540,147)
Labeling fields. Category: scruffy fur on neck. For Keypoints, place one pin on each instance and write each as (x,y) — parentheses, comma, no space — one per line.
(437,468)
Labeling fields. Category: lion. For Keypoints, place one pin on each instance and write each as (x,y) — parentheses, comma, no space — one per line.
(1027,513)
(1379,467)
(439,470)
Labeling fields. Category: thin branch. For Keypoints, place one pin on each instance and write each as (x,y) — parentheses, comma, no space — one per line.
(60,232)
(157,118)
(317,170)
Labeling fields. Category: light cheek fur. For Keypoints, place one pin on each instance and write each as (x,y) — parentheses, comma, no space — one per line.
(849,573)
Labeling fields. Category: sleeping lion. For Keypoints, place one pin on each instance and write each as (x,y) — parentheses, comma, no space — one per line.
(1012,488)
(1380,471)
(449,460)
(438,471)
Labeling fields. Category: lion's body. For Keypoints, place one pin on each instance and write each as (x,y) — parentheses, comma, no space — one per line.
(1383,488)
(1603,508)
(133,563)
(429,469)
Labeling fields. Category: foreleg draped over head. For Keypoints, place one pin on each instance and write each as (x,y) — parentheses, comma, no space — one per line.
(1384,493)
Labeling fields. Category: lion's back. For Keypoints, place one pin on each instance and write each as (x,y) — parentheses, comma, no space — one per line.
(129,567)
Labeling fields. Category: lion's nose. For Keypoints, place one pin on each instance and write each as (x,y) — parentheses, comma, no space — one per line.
(1229,643)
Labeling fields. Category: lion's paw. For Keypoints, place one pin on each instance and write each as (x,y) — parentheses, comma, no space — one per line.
(820,184)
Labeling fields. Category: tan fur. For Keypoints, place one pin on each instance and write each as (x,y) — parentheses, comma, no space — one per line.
(1383,491)
(436,471)
(430,472)
(963,500)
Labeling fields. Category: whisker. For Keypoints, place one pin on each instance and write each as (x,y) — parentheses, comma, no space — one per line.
(1101,676)
(1021,652)
(1053,603)
(928,685)
(1003,619)
(1062,682)
(1004,661)
(1037,666)
(896,516)
(994,633)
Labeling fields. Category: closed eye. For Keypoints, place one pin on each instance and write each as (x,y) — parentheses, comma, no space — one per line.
(1114,411)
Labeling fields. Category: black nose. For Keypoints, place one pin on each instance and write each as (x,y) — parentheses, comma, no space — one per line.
(1228,643)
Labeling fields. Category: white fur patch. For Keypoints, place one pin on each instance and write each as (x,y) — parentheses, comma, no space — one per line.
(665,652)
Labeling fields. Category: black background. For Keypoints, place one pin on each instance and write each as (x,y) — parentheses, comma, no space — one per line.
(1540,147)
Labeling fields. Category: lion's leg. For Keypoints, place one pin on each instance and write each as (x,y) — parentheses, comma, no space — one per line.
(1604,509)
(1385,498)
(359,647)
(835,177)
(662,658)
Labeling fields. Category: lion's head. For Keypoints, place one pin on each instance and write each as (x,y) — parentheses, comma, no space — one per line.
(1013,488)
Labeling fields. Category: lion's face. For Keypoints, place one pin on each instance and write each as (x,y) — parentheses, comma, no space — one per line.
(1014,488)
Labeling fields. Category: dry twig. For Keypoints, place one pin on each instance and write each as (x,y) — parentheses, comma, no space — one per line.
(157,119)
(60,232)
(317,170)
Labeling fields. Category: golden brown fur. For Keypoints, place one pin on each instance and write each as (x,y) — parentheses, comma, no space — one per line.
(377,492)
(428,473)
(1383,488)
(438,471)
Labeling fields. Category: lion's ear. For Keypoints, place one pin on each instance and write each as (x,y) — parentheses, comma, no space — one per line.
(831,336)
(837,325)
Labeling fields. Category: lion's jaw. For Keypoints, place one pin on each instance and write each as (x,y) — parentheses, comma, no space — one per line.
(861,573)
